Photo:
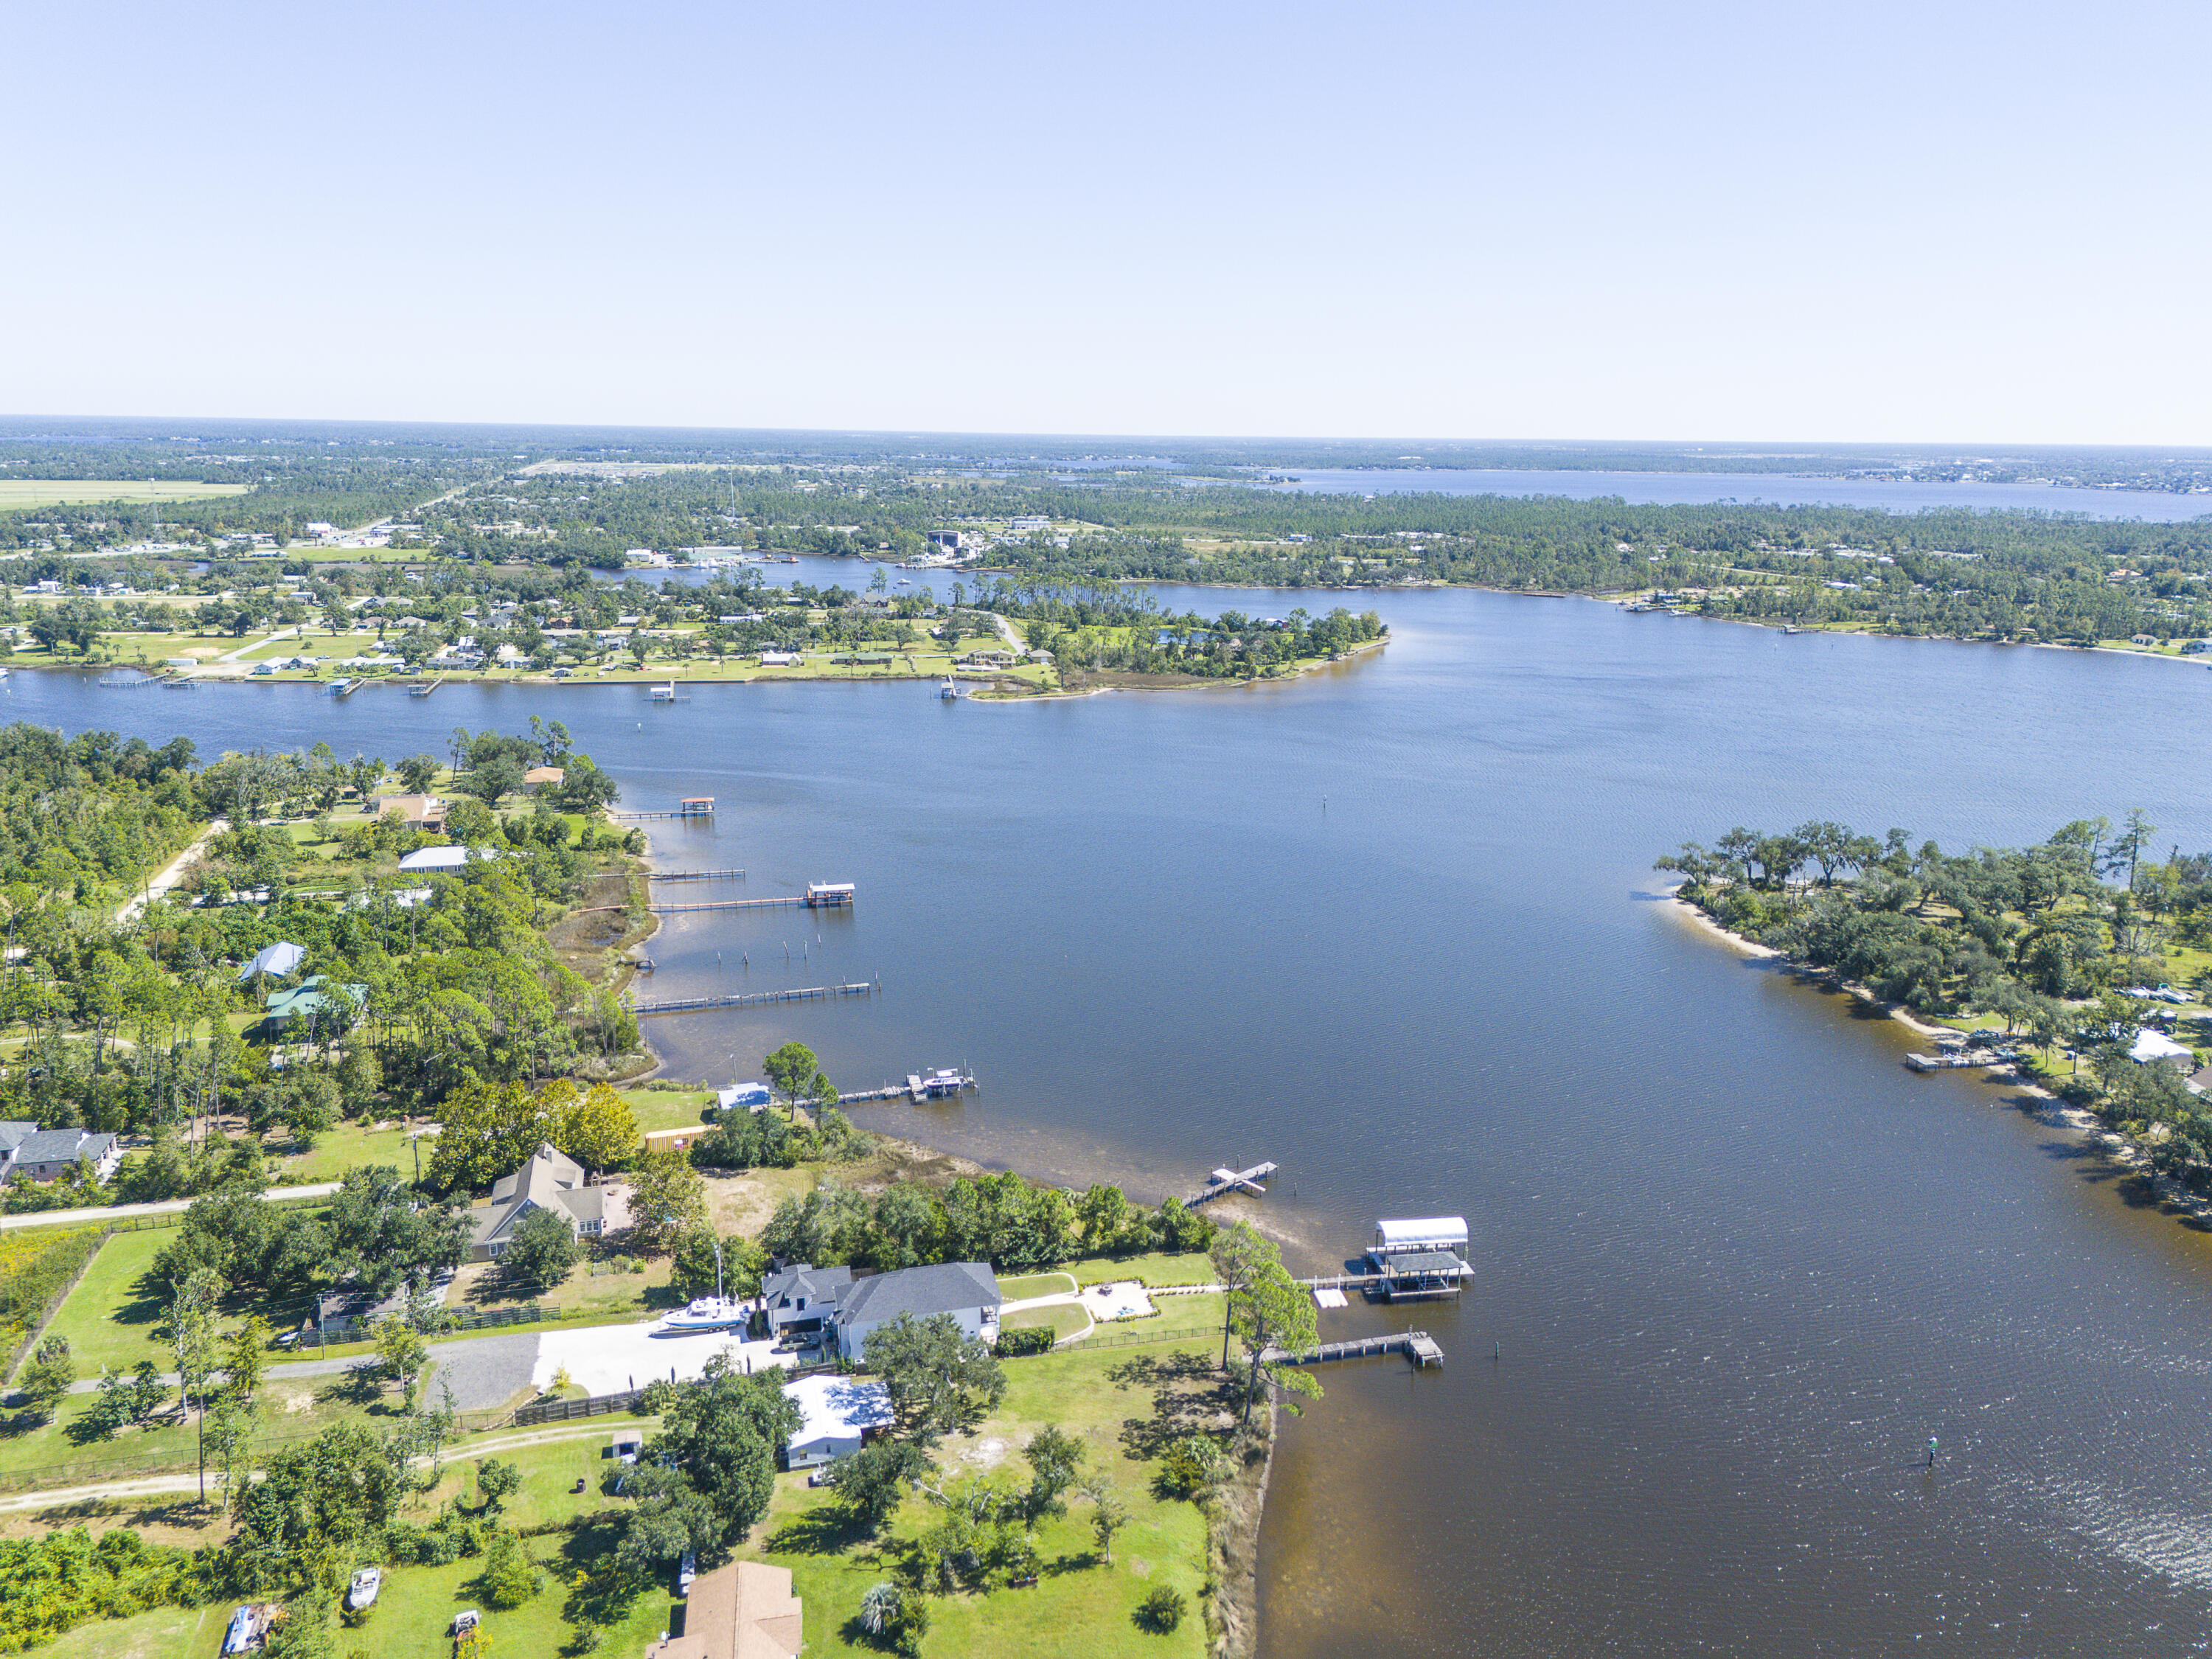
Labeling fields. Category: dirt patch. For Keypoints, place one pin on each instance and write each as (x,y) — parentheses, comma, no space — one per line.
(602,922)
(895,1160)
(742,1204)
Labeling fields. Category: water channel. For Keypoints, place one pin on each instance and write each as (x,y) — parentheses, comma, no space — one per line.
(1393,926)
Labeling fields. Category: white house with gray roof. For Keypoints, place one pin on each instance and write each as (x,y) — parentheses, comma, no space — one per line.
(968,1291)
(30,1153)
(802,1300)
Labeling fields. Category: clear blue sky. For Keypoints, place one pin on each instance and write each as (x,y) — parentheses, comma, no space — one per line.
(1950,223)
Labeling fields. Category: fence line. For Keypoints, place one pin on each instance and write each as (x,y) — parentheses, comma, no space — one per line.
(93,1470)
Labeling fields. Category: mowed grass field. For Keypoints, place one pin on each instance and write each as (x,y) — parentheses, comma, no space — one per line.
(17,493)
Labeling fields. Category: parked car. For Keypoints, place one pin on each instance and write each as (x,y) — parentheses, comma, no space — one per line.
(686,1571)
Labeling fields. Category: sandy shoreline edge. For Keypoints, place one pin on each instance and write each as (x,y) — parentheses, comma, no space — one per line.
(2111,1142)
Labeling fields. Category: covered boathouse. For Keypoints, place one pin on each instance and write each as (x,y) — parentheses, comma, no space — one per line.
(1423,1256)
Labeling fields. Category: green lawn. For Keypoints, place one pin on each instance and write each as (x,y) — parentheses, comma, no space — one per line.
(417,1604)
(1029,1285)
(107,1318)
(1193,1267)
(340,1150)
(1065,1318)
(1079,1607)
(19,493)
(666,1108)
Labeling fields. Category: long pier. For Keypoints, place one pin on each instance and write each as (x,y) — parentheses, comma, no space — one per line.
(1416,1346)
(724,904)
(751,999)
(696,875)
(1227,1180)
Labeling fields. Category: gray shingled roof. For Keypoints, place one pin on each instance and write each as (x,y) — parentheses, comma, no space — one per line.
(948,1287)
(817,1284)
(60,1146)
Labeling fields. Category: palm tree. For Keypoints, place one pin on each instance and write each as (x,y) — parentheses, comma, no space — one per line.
(880,1606)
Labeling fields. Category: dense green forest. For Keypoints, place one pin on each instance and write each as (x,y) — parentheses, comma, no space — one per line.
(124,1025)
(2074,943)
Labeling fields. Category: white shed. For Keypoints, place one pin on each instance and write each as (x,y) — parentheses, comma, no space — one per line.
(839,1411)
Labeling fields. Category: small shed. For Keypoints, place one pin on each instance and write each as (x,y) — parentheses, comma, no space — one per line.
(624,1445)
(839,1413)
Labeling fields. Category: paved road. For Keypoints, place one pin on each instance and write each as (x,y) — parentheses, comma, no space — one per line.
(168,1206)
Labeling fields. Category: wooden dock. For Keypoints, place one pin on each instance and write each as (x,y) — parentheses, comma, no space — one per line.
(819,895)
(425,690)
(731,904)
(698,806)
(751,999)
(1416,1346)
(1227,1180)
(696,875)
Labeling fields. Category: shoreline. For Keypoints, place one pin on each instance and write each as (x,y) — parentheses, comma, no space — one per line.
(2109,1142)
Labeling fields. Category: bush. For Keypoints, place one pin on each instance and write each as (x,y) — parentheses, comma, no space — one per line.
(509,1577)
(1034,1339)
(1161,1610)
(1190,1467)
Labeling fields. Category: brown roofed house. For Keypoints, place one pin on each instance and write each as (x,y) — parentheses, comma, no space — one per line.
(416,812)
(741,1610)
(543,777)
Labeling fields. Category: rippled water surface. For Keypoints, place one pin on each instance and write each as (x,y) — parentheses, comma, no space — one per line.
(1391,925)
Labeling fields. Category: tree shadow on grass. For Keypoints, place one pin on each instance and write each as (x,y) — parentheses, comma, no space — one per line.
(360,1385)
(598,1593)
(1060,1565)
(826,1529)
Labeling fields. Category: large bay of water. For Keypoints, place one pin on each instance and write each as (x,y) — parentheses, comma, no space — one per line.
(1774,488)
(1393,927)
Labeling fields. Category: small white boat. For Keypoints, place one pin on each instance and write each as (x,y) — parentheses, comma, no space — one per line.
(708,1313)
(361,1592)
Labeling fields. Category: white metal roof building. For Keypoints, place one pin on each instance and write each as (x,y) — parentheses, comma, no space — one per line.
(1421,1236)
(275,960)
(839,1411)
